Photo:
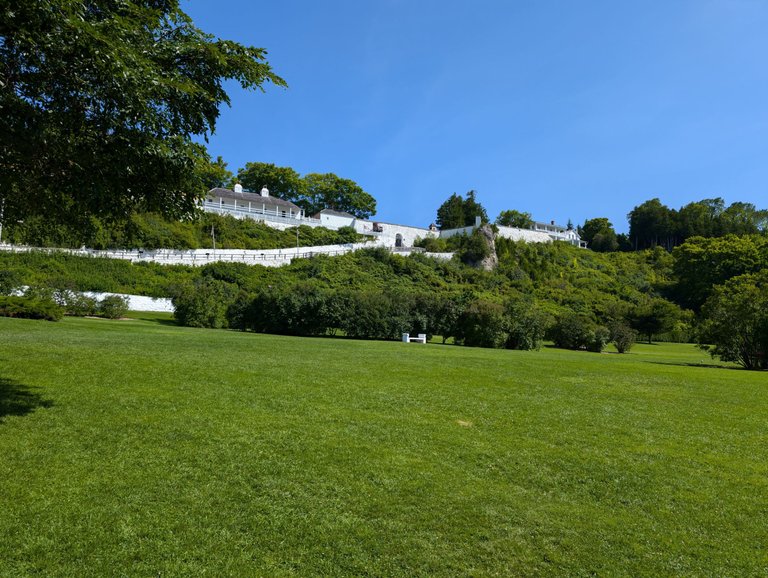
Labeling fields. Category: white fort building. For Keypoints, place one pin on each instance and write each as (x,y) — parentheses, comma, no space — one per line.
(282,214)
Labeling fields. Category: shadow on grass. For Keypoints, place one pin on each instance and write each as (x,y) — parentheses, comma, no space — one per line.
(706,365)
(17,399)
(157,320)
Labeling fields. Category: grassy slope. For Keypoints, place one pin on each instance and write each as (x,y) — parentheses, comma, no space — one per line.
(137,447)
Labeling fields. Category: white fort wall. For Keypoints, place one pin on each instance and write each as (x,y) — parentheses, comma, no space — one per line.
(200,257)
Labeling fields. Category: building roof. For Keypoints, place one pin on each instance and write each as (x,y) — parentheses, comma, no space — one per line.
(336,213)
(255,198)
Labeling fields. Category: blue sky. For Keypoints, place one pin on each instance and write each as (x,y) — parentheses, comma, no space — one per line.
(567,110)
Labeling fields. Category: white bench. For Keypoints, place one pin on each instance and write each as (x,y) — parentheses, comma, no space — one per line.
(422,338)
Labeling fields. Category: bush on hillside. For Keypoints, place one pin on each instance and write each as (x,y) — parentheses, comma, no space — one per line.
(113,307)
(623,337)
(30,308)
(483,324)
(204,303)
(526,324)
(577,331)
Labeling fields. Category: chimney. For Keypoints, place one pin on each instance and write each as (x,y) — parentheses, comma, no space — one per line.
(478,221)
(238,188)
(264,191)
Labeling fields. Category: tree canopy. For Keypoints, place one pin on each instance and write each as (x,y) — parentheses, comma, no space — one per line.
(735,326)
(104,104)
(599,235)
(313,192)
(513,218)
(282,182)
(457,212)
(328,191)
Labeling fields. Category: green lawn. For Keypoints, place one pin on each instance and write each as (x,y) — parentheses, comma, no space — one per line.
(140,448)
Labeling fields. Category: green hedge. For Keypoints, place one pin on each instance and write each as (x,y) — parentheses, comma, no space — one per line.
(30,308)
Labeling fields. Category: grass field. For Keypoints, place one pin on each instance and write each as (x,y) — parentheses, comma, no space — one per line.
(141,448)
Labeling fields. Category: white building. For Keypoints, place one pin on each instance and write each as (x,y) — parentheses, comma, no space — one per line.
(282,214)
(258,206)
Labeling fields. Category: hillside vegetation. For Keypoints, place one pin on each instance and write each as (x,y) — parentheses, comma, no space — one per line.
(152,231)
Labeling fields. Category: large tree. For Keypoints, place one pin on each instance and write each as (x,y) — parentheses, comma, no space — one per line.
(735,326)
(328,191)
(104,104)
(457,212)
(513,218)
(651,224)
(599,235)
(282,182)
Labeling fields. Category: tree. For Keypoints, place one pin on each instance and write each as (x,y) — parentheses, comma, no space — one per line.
(104,105)
(282,182)
(700,264)
(215,173)
(327,191)
(735,326)
(654,317)
(456,212)
(699,219)
(650,224)
(599,235)
(513,218)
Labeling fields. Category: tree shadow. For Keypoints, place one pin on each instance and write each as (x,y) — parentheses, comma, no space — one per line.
(17,399)
(157,320)
(688,364)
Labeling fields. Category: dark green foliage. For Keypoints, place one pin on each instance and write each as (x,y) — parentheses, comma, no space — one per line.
(327,191)
(652,223)
(526,325)
(700,264)
(623,337)
(313,192)
(457,212)
(473,248)
(654,316)
(30,308)
(599,235)
(104,105)
(204,303)
(433,244)
(578,331)
(77,304)
(282,182)
(113,307)
(572,331)
(61,271)
(151,231)
(513,218)
(735,321)
(482,324)
(9,281)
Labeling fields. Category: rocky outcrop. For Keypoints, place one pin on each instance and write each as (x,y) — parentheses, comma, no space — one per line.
(491,261)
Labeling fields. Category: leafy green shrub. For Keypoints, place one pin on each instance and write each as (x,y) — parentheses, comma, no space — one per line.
(598,340)
(30,308)
(483,324)
(113,307)
(576,331)
(9,281)
(572,331)
(77,304)
(623,337)
(204,303)
(526,324)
